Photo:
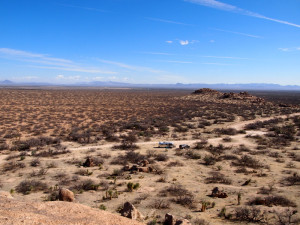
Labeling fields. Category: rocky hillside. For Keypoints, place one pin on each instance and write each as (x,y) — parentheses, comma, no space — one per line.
(56,213)
(206,94)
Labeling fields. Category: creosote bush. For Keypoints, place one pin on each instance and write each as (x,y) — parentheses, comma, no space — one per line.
(28,186)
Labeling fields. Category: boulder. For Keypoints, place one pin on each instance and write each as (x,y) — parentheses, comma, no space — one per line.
(134,168)
(131,212)
(126,168)
(144,163)
(143,169)
(66,195)
(218,194)
(183,222)
(88,162)
(169,219)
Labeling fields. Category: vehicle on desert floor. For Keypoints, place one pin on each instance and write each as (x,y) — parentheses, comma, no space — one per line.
(166,145)
(184,146)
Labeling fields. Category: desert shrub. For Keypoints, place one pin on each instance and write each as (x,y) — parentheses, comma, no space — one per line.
(200,144)
(130,156)
(160,204)
(292,180)
(217,150)
(249,214)
(175,163)
(248,161)
(192,155)
(39,173)
(28,186)
(199,221)
(34,142)
(182,195)
(35,162)
(272,200)
(209,160)
(98,161)
(13,166)
(3,146)
(162,157)
(53,196)
(228,157)
(217,177)
(86,185)
(242,170)
(226,131)
(128,142)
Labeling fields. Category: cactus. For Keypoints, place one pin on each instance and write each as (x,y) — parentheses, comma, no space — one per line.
(130,186)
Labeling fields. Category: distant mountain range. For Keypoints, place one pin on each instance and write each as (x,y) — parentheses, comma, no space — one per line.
(111,84)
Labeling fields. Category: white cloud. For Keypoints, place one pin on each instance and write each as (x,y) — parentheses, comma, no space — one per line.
(98,78)
(231,8)
(212,41)
(45,62)
(182,42)
(70,78)
(60,76)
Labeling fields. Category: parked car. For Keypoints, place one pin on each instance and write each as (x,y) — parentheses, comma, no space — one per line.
(166,145)
(184,146)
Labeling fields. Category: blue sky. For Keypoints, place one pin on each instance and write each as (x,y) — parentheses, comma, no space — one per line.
(150,41)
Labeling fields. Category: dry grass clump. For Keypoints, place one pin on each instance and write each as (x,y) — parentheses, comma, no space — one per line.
(35,162)
(13,166)
(160,204)
(28,186)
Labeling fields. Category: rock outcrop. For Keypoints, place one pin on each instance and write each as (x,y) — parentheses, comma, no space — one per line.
(88,162)
(131,212)
(210,95)
(171,220)
(66,195)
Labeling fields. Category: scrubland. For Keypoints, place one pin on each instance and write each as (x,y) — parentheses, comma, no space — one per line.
(242,166)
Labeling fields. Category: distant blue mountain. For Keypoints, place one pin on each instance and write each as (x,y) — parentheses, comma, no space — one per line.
(220,86)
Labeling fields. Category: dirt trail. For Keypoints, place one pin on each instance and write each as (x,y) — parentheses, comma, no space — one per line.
(241,124)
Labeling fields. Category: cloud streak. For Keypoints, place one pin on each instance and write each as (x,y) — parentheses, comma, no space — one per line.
(45,62)
(131,67)
(231,8)
(167,21)
(239,33)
